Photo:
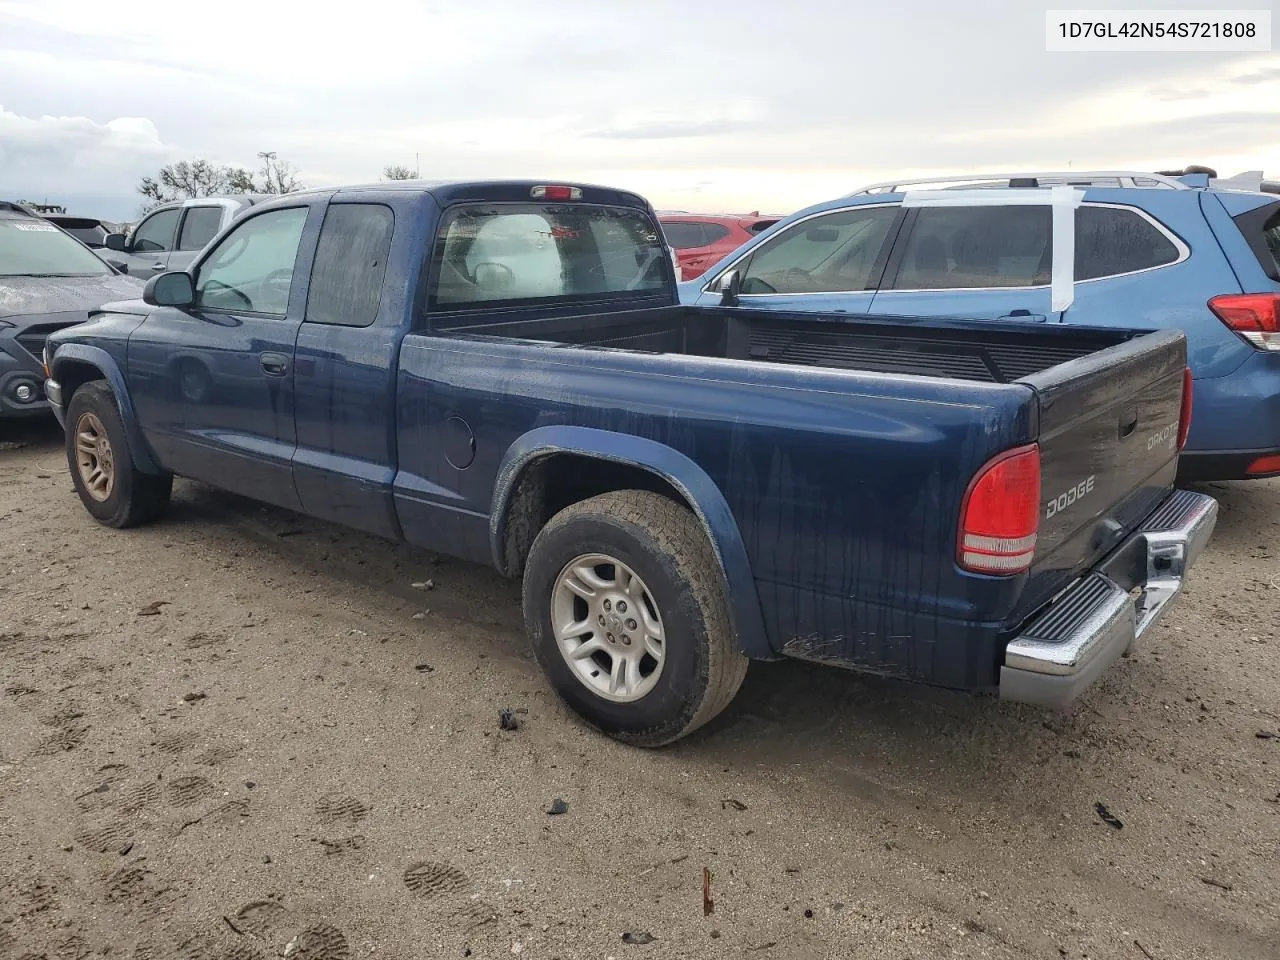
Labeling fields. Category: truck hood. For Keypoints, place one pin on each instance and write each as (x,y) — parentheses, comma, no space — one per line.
(35,296)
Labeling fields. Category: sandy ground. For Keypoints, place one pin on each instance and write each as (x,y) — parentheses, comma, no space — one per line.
(286,759)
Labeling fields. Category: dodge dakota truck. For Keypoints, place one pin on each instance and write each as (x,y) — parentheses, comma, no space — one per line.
(502,371)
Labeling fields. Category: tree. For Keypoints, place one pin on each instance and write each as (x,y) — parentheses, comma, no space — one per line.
(200,178)
(186,179)
(398,172)
(276,175)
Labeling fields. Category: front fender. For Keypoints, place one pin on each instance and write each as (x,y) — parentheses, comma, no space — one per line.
(698,489)
(102,361)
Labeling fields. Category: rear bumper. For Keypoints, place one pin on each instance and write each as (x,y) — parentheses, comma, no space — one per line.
(1066,647)
(1226,465)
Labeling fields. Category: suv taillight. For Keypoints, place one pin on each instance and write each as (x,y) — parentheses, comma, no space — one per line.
(1001,514)
(1255,316)
(1184,415)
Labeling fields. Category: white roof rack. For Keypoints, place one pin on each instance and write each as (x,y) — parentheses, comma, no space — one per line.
(1075,178)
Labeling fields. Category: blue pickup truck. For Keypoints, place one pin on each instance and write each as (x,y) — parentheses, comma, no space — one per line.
(502,371)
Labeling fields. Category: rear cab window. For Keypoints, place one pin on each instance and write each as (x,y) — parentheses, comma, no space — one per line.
(509,254)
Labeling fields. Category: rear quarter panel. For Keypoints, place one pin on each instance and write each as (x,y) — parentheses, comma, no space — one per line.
(845,487)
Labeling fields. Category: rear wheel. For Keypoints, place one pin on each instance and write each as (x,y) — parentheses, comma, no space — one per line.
(111,488)
(627,612)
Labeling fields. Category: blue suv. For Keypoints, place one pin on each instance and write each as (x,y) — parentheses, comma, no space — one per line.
(1151,251)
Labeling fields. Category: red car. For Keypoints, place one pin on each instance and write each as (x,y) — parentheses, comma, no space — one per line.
(700,241)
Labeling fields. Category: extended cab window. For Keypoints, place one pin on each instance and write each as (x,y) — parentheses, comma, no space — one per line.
(251,268)
(827,254)
(966,247)
(497,253)
(351,260)
(199,226)
(155,234)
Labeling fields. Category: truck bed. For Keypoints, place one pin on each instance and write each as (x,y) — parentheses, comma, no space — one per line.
(894,345)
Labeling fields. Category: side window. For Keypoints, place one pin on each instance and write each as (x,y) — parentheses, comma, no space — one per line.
(199,226)
(1112,240)
(155,234)
(714,232)
(977,247)
(251,268)
(828,254)
(684,235)
(351,260)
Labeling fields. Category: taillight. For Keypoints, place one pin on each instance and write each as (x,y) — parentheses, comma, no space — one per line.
(1184,416)
(1255,316)
(1001,514)
(1267,464)
(556,193)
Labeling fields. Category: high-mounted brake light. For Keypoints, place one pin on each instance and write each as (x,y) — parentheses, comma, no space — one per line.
(556,193)
(1255,316)
(1184,415)
(1001,514)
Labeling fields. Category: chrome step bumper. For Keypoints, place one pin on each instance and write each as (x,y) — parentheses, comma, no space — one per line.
(1096,620)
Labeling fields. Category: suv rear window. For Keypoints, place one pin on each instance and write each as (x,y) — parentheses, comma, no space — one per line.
(1113,240)
(981,247)
(516,253)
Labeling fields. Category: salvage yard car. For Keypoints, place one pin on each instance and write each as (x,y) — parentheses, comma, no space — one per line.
(48,280)
(1189,253)
(171,234)
(502,371)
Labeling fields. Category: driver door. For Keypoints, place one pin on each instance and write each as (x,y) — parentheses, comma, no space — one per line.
(213,384)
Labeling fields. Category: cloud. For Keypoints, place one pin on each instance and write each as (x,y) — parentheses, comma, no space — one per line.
(716,103)
(1265,75)
(672,129)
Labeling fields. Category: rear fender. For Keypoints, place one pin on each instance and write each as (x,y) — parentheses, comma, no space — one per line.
(688,479)
(105,364)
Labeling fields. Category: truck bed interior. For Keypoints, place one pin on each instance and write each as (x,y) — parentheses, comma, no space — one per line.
(958,349)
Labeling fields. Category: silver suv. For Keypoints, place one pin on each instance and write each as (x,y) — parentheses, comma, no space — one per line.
(173,233)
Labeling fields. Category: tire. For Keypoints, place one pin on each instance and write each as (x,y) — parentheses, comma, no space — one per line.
(111,488)
(682,593)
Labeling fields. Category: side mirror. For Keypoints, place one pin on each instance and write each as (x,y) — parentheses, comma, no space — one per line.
(730,286)
(116,241)
(118,266)
(174,289)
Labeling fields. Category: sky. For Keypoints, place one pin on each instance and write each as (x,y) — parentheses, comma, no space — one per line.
(700,105)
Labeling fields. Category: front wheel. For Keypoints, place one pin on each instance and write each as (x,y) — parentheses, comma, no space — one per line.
(627,613)
(111,488)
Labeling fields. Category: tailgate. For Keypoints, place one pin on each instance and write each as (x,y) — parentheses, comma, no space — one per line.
(1108,451)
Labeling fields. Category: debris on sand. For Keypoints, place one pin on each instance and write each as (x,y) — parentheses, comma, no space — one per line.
(557,807)
(1107,817)
(153,609)
(507,719)
(639,938)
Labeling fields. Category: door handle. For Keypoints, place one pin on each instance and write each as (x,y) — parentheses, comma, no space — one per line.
(1128,424)
(1024,316)
(274,364)
(157,266)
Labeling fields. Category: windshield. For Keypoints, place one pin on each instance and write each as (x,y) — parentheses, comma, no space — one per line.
(33,248)
(547,252)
